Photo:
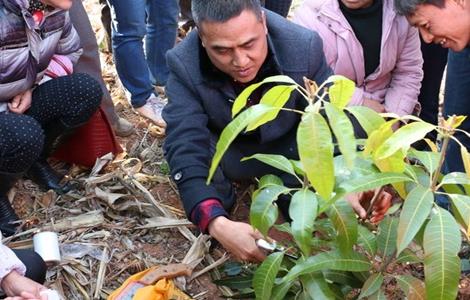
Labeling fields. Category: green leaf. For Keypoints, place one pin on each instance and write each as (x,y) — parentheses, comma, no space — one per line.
(367,240)
(274,160)
(263,280)
(372,285)
(268,180)
(341,91)
(408,257)
(297,165)
(316,287)
(280,291)
(303,211)
(344,133)
(316,152)
(412,287)
(442,242)
(456,178)
(415,210)
(379,295)
(461,210)
(369,119)
(354,262)
(232,130)
(465,159)
(371,182)
(387,236)
(241,100)
(236,282)
(275,97)
(344,220)
(344,278)
(378,137)
(430,160)
(403,138)
(263,213)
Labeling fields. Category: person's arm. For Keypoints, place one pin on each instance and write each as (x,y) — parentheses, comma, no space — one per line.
(402,95)
(9,262)
(69,43)
(19,287)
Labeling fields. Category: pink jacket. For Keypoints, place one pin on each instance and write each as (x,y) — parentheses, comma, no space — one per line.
(397,80)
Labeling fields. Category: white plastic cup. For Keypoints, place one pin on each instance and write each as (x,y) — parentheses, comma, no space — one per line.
(46,244)
(51,294)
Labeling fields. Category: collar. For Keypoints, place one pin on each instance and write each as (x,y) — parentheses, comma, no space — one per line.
(214,76)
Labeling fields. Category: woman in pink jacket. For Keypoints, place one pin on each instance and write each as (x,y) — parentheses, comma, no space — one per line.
(366,41)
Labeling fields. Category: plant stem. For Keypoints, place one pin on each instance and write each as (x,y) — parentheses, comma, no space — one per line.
(377,193)
(441,162)
(387,261)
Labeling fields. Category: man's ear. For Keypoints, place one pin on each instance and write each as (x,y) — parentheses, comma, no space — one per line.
(199,32)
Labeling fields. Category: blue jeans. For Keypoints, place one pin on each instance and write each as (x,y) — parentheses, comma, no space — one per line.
(457,101)
(156,21)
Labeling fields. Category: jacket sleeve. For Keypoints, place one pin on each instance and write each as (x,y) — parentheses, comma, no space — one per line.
(402,95)
(69,43)
(187,144)
(318,67)
(9,262)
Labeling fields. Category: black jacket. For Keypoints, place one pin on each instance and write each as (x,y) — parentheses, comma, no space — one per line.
(200,107)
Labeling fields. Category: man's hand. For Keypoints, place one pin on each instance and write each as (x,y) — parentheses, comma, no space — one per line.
(374,104)
(20,103)
(18,287)
(238,238)
(362,201)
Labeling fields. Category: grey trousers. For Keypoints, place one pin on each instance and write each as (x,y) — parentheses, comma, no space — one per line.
(89,62)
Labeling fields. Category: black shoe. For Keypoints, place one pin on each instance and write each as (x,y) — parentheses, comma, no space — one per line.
(56,133)
(8,217)
(47,178)
(7,213)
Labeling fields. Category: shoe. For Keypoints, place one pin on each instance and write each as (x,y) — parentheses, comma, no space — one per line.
(7,213)
(47,178)
(123,128)
(56,133)
(8,217)
(152,110)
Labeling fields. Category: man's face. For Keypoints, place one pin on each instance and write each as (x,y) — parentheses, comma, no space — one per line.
(448,26)
(237,47)
(62,4)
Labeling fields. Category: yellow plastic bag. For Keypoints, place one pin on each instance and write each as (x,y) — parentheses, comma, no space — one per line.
(141,286)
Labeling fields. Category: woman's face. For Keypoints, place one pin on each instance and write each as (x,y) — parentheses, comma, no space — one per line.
(357,4)
(61,4)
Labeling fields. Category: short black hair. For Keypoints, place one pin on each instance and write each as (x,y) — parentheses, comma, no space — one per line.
(408,7)
(222,10)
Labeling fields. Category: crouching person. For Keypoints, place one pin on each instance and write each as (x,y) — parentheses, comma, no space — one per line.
(236,44)
(37,39)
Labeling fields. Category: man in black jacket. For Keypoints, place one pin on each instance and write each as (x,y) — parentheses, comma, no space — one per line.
(236,44)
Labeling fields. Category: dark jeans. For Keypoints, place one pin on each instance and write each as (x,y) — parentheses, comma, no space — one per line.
(457,101)
(71,99)
(35,267)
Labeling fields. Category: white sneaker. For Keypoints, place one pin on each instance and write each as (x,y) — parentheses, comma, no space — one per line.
(152,110)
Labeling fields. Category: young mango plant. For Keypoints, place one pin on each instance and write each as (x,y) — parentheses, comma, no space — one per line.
(340,256)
